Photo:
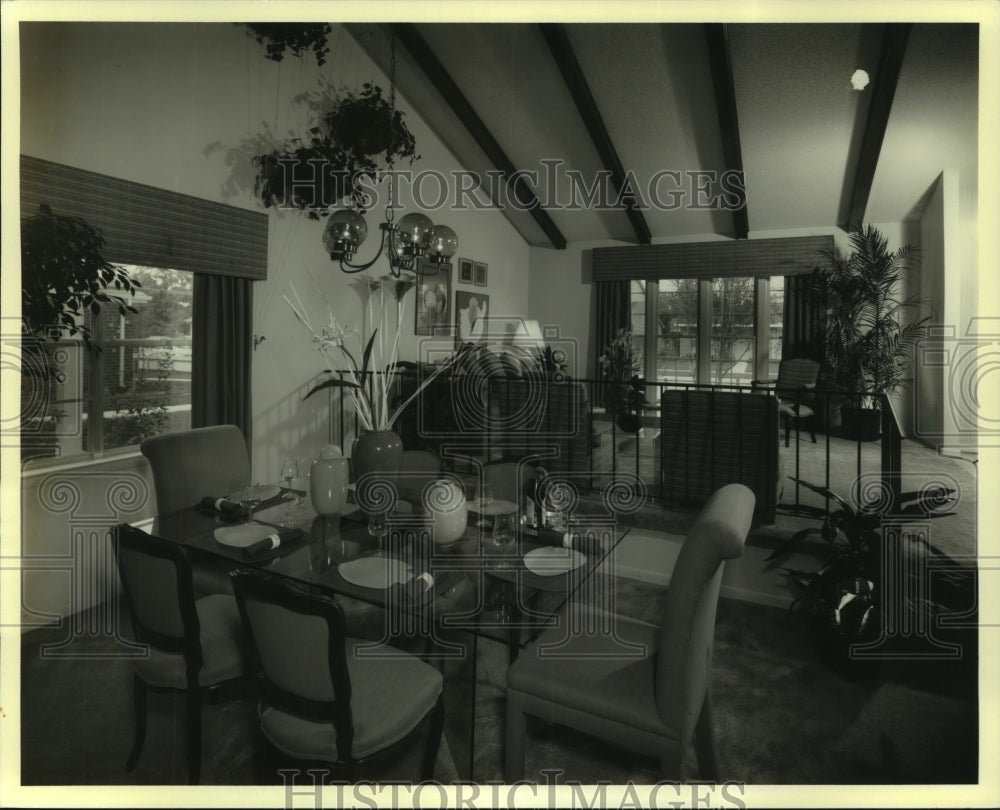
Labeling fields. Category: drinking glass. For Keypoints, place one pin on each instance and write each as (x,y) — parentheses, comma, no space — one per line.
(378,528)
(484,497)
(504,534)
(249,498)
(289,472)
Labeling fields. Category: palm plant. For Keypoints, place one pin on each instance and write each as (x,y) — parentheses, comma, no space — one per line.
(867,344)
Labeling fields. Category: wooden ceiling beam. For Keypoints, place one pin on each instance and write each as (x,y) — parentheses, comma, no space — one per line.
(721,62)
(425,57)
(569,66)
(894,38)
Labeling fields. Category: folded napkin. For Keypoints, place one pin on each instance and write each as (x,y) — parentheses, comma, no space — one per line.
(273,541)
(222,506)
(586,541)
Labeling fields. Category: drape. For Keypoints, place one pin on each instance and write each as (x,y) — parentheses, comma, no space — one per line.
(802,333)
(613,312)
(222,342)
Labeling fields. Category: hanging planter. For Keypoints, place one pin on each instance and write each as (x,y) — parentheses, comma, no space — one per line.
(359,134)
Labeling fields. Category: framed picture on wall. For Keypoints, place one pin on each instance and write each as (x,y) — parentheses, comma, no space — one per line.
(465,271)
(479,275)
(471,309)
(433,309)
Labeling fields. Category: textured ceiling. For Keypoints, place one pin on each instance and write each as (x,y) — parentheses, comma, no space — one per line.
(800,121)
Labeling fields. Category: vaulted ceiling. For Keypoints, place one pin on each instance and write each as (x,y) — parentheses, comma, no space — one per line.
(639,99)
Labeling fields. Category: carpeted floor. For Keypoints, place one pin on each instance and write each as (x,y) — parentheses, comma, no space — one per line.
(782,717)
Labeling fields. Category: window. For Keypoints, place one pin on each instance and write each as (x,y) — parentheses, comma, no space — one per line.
(140,385)
(710,331)
(637,323)
(677,330)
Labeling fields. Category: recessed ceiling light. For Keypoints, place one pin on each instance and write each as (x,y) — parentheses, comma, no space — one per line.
(859,79)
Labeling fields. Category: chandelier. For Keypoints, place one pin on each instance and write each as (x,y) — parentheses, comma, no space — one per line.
(406,242)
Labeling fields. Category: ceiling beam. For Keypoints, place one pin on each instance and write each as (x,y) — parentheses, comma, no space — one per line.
(721,62)
(890,62)
(421,52)
(562,51)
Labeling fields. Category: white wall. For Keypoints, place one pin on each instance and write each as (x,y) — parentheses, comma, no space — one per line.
(182,107)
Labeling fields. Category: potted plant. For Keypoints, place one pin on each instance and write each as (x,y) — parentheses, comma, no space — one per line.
(843,596)
(623,390)
(344,147)
(867,343)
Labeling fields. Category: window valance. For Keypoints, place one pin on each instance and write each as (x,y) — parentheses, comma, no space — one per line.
(740,257)
(147,225)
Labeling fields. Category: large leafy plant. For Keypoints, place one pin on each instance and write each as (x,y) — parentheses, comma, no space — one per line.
(843,593)
(867,343)
(64,275)
(624,392)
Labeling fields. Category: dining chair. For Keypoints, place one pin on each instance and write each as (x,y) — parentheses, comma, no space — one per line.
(195,646)
(189,465)
(796,378)
(416,469)
(323,701)
(639,687)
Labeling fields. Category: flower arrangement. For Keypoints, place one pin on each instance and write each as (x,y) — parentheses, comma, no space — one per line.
(367,388)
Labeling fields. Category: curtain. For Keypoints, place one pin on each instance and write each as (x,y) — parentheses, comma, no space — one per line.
(222,341)
(614,307)
(802,335)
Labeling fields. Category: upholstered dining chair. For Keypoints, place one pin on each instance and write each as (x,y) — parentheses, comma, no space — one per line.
(642,688)
(189,465)
(323,701)
(194,646)
(416,468)
(796,377)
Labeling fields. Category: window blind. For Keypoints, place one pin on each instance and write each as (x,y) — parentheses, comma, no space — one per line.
(740,257)
(151,226)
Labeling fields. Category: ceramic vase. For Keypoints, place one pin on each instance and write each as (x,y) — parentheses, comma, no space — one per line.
(444,502)
(328,481)
(377,451)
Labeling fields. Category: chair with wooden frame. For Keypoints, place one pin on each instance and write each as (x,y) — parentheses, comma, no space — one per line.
(194,646)
(324,701)
(796,378)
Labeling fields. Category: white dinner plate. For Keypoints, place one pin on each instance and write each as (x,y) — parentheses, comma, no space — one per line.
(267,491)
(375,572)
(493,508)
(243,535)
(551,560)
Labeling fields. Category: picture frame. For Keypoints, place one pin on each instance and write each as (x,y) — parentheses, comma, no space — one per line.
(465,271)
(479,274)
(432,311)
(471,310)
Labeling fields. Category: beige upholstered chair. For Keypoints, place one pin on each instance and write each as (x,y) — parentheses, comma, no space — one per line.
(656,699)
(323,702)
(193,645)
(189,465)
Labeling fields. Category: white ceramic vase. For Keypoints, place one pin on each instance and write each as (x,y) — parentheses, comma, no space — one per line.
(328,481)
(444,501)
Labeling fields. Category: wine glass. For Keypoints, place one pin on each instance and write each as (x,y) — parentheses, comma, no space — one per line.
(504,534)
(378,528)
(249,498)
(289,472)
(484,497)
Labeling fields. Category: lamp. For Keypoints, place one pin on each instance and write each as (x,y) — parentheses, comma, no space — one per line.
(405,242)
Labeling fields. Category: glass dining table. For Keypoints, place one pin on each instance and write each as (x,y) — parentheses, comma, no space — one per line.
(436,600)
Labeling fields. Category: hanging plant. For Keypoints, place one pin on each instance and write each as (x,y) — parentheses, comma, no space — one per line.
(358,135)
(295,37)
(64,274)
